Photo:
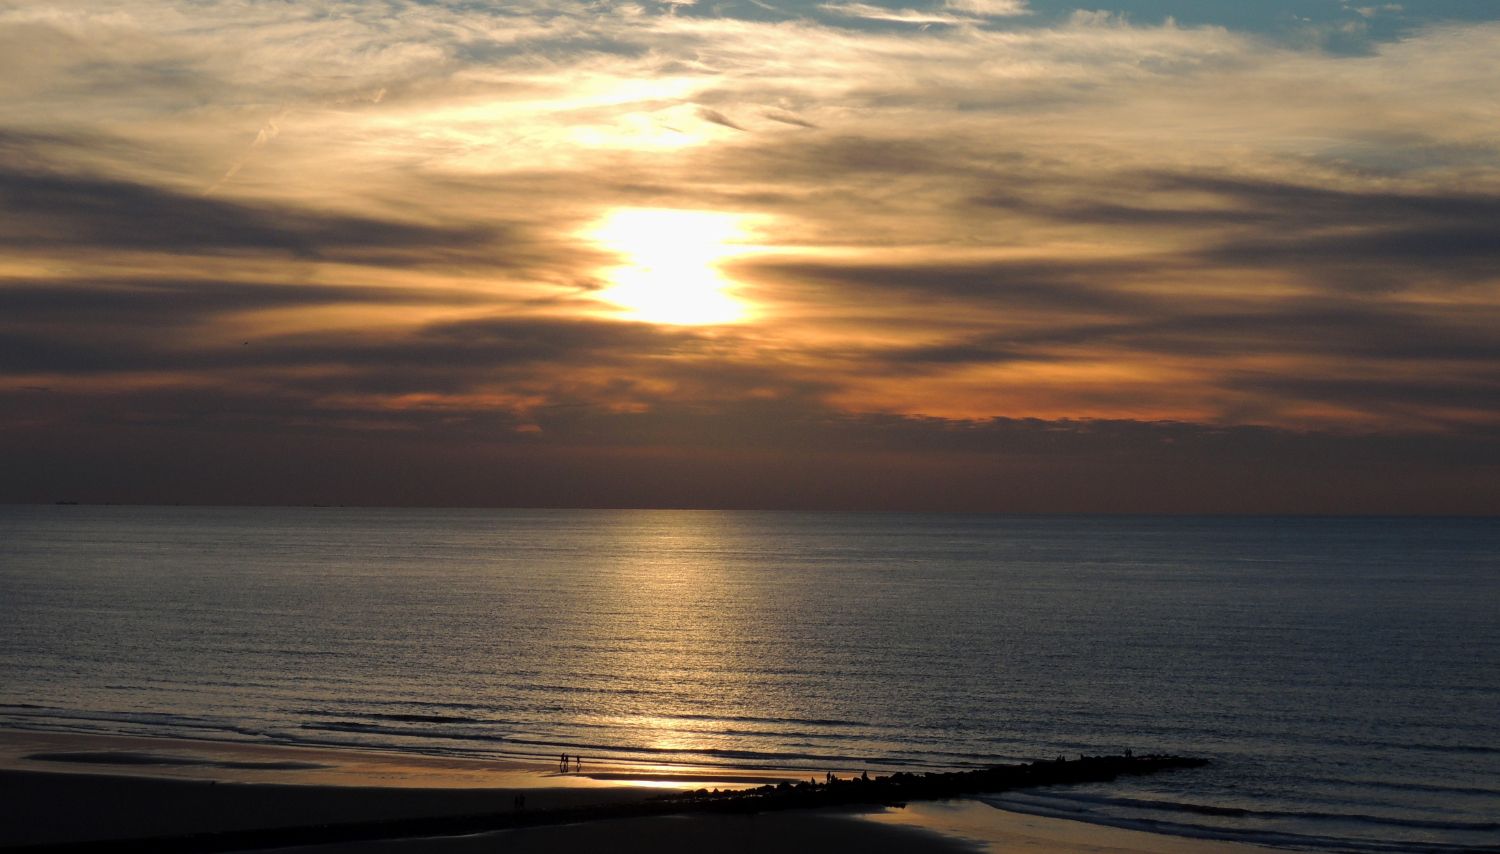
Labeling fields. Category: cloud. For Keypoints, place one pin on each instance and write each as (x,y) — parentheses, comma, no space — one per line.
(50,209)
(275,450)
(787,118)
(953,12)
(1372,11)
(964,216)
(460,348)
(1377,259)
(1021,284)
(868,12)
(989,8)
(1359,239)
(718,118)
(158,301)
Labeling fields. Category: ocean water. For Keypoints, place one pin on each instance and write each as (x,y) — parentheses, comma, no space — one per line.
(1342,674)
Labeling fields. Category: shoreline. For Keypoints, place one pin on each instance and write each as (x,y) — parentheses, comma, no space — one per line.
(225,761)
(86,788)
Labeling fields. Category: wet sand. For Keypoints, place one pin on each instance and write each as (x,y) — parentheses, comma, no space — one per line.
(246,762)
(64,788)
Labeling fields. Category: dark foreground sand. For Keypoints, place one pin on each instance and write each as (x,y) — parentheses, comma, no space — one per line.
(70,789)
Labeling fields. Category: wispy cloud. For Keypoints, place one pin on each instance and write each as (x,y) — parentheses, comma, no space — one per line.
(989,8)
(899,16)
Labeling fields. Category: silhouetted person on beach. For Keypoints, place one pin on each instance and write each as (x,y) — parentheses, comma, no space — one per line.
(562,763)
(578,764)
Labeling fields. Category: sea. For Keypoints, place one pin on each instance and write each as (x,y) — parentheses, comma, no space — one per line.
(1341,674)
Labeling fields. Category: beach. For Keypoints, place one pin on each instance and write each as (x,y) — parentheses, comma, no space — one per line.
(63,788)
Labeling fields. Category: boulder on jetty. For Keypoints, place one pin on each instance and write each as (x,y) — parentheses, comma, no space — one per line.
(903,787)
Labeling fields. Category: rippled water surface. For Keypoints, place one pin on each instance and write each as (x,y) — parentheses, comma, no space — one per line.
(1344,674)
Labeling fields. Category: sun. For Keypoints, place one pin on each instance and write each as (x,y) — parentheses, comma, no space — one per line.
(671,258)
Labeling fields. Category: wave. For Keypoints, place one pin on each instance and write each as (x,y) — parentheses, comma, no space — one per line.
(1438,788)
(468,735)
(818,722)
(380,729)
(780,759)
(403,717)
(1266,838)
(345,722)
(427,719)
(823,737)
(70,718)
(1176,818)
(116,757)
(1311,815)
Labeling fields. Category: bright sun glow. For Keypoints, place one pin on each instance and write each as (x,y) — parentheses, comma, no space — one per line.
(670,272)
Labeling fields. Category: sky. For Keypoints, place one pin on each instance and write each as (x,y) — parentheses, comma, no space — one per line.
(959,255)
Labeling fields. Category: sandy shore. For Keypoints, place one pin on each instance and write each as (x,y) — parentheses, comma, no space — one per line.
(64,788)
(956,827)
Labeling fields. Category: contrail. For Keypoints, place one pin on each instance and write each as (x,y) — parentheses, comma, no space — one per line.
(268,132)
(270,129)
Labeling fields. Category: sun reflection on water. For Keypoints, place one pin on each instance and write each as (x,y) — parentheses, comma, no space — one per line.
(675,596)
